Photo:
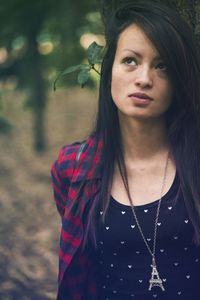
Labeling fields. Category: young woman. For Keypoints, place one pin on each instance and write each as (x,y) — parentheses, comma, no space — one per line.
(129,196)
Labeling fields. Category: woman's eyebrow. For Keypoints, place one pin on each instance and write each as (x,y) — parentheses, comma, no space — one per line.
(140,55)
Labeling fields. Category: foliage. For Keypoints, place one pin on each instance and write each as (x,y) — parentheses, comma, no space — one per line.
(94,56)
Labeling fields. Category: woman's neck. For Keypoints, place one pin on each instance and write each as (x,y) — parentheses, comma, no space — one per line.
(143,139)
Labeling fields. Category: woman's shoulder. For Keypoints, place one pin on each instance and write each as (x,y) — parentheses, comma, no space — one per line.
(68,153)
(64,165)
(73,151)
(77,153)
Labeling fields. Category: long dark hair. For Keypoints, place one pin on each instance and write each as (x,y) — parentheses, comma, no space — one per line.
(178,48)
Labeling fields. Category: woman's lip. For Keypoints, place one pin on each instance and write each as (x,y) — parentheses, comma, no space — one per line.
(140,101)
(140,96)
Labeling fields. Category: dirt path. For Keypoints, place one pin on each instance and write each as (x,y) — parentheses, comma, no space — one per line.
(29,223)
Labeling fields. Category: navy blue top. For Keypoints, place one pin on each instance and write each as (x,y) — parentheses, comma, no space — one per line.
(124,263)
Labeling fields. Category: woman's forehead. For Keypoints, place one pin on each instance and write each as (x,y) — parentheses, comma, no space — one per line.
(133,39)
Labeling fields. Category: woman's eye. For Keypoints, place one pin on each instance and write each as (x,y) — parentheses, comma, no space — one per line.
(161,66)
(129,61)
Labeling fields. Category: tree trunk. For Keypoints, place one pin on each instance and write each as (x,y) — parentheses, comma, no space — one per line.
(189,9)
(38,94)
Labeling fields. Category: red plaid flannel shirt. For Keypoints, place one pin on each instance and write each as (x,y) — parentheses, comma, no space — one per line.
(76,279)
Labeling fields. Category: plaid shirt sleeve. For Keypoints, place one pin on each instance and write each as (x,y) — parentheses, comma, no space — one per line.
(76,268)
(61,172)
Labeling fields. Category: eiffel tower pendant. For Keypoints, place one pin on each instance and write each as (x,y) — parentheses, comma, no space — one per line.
(155,278)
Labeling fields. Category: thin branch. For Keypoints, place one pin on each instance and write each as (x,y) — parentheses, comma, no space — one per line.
(93,68)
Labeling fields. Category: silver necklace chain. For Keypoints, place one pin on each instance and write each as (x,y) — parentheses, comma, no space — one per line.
(157,281)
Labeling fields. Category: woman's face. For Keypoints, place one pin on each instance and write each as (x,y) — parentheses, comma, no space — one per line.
(140,84)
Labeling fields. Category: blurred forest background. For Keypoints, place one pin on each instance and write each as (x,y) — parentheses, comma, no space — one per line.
(38,40)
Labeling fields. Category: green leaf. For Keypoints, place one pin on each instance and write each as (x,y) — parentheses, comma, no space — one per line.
(83,67)
(94,53)
(75,68)
(83,77)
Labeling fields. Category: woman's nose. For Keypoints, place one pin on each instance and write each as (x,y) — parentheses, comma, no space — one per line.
(143,77)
